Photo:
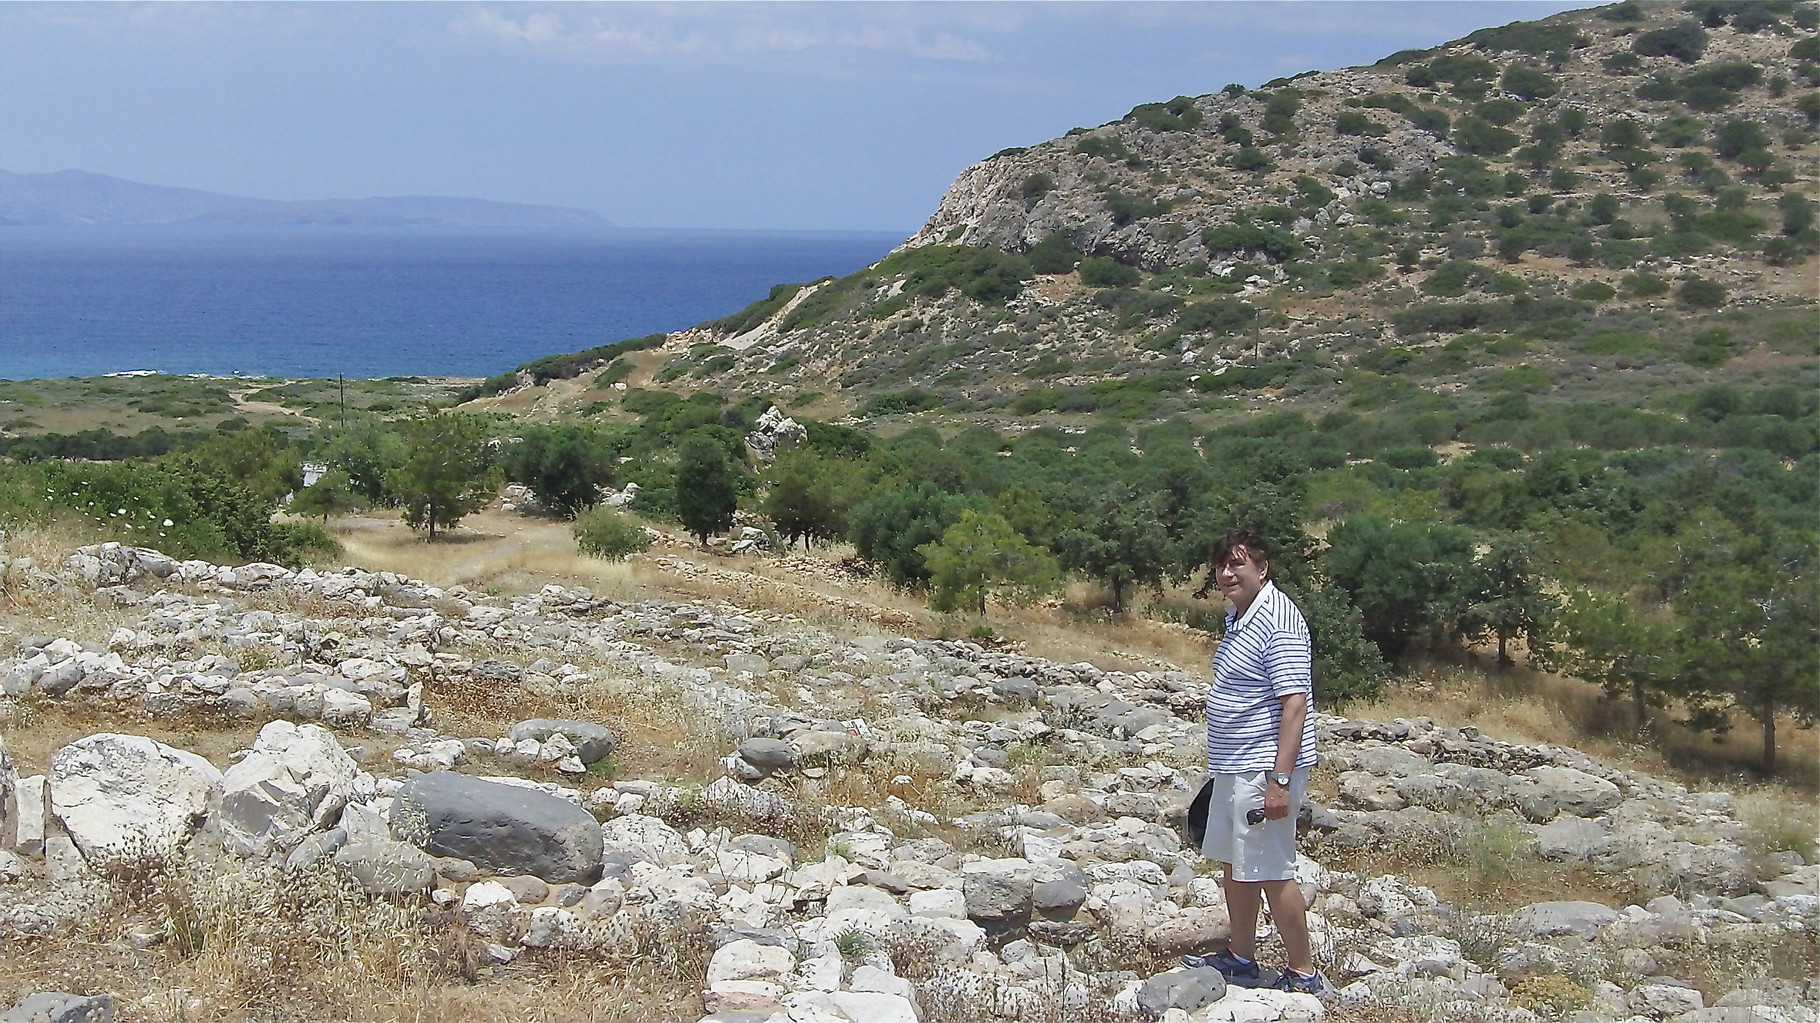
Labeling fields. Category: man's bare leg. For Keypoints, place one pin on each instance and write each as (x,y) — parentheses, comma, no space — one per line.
(1243,899)
(1287,912)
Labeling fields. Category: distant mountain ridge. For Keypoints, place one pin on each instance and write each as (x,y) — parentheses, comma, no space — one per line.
(75,197)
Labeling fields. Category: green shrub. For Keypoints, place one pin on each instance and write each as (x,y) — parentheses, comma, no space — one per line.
(609,533)
(1251,158)
(1480,137)
(1646,285)
(1106,148)
(1528,82)
(1179,114)
(893,403)
(1219,315)
(1056,254)
(1354,122)
(1105,272)
(1241,235)
(1036,186)
(1700,293)
(1685,41)
(1594,291)
(1530,37)
(1280,110)
(1501,112)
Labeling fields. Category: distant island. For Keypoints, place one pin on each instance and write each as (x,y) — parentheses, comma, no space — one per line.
(81,198)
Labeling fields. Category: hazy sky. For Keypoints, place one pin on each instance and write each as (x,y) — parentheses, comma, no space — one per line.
(845,116)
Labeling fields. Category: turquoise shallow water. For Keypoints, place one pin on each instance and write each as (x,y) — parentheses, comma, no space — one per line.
(86,301)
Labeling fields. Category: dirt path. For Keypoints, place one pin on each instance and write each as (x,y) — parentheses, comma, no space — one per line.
(268,408)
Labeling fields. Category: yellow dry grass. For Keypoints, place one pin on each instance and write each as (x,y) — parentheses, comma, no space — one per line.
(1522,705)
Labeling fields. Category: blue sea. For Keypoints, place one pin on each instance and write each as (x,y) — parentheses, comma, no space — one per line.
(315,302)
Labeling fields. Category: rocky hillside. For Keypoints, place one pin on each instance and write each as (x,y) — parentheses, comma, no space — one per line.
(1646,167)
(471,789)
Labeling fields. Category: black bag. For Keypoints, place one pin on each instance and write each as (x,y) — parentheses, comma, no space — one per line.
(1196,824)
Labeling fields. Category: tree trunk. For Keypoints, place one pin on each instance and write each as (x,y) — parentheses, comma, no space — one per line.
(1504,649)
(1636,700)
(1769,739)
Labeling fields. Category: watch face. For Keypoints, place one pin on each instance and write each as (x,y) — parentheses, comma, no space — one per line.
(1281,779)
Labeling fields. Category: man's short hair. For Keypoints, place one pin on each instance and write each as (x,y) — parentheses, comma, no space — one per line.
(1256,547)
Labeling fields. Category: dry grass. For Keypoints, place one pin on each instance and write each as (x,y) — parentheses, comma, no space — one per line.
(187,942)
(492,550)
(1525,706)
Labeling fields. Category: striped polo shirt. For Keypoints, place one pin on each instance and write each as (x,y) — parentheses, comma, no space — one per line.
(1263,657)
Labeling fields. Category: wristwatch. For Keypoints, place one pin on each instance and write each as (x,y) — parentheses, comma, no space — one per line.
(1280,779)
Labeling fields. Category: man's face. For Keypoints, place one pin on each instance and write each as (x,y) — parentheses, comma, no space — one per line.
(1241,577)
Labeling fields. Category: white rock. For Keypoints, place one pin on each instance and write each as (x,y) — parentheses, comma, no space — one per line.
(343,709)
(126,794)
(873,1007)
(649,834)
(491,910)
(747,960)
(1664,1000)
(948,903)
(867,977)
(731,996)
(295,781)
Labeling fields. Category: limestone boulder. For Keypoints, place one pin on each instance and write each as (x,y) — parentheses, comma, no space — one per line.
(387,868)
(295,782)
(503,828)
(127,795)
(592,742)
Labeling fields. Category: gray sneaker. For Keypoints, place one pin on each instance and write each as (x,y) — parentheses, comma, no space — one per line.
(1315,985)
(1239,972)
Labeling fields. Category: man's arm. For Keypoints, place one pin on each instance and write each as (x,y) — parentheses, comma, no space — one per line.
(1289,749)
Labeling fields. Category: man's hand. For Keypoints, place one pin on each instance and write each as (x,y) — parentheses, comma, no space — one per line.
(1276,801)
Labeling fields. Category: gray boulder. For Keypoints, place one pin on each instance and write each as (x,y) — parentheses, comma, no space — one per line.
(1183,989)
(767,754)
(387,868)
(498,827)
(295,782)
(1574,792)
(1551,919)
(57,1007)
(998,899)
(593,743)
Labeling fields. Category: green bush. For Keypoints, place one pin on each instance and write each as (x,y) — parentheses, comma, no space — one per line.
(1179,114)
(1480,137)
(1056,254)
(1354,122)
(1685,41)
(1251,158)
(1528,82)
(1106,272)
(609,533)
(1280,110)
(1107,149)
(1241,236)
(1700,293)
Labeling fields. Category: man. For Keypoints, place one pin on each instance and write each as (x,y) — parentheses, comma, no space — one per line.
(1260,747)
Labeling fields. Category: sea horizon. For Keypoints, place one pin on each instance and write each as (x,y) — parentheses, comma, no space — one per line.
(431,301)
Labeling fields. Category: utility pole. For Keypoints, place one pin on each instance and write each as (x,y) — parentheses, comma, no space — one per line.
(342,379)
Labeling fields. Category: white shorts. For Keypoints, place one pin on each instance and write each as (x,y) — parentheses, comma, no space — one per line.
(1252,852)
